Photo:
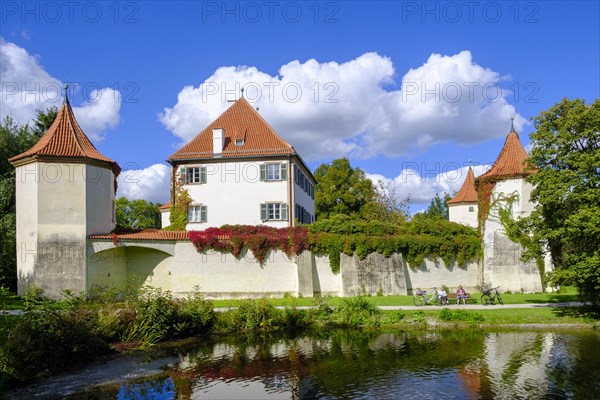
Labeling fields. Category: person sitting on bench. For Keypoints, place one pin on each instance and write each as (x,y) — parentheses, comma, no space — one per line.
(461,295)
(442,296)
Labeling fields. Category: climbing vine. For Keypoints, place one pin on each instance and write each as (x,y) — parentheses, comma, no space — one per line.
(179,207)
(516,232)
(416,242)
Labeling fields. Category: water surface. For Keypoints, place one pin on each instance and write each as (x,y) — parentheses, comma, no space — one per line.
(351,364)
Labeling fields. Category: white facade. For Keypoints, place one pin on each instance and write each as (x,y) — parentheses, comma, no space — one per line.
(236,192)
(463,213)
(58,205)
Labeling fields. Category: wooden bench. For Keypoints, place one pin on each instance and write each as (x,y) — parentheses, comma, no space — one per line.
(453,300)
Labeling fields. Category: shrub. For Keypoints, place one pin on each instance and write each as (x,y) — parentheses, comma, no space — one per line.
(47,341)
(358,310)
(461,315)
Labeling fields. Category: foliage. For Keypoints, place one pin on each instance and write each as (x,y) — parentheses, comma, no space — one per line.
(341,189)
(438,207)
(356,311)
(137,214)
(180,202)
(416,240)
(461,316)
(566,219)
(48,341)
(14,139)
(385,205)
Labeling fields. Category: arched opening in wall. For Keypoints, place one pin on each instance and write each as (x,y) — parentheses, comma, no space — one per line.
(127,267)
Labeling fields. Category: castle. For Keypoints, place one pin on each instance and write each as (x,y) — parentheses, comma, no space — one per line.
(238,170)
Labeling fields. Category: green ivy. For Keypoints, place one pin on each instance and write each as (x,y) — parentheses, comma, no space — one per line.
(417,240)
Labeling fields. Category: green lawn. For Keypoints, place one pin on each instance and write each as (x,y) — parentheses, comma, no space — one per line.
(567,294)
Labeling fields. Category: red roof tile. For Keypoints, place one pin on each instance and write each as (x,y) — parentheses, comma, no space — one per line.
(165,206)
(66,139)
(239,121)
(511,161)
(467,192)
(148,234)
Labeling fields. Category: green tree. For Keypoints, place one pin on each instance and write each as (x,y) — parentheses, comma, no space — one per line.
(566,219)
(385,205)
(14,139)
(438,207)
(341,189)
(137,214)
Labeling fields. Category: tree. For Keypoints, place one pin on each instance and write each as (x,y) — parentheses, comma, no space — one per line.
(438,207)
(566,219)
(137,214)
(385,205)
(14,139)
(341,189)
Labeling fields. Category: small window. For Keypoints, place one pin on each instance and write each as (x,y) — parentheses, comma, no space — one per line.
(114,212)
(196,175)
(471,209)
(273,212)
(239,142)
(197,214)
(273,172)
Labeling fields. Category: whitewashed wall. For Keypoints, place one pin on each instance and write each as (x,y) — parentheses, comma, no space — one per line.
(178,267)
(460,213)
(433,274)
(233,193)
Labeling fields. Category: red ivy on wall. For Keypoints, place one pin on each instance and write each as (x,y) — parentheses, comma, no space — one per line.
(259,240)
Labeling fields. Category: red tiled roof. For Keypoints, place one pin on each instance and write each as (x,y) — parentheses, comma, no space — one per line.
(467,192)
(239,121)
(148,234)
(66,139)
(165,206)
(511,161)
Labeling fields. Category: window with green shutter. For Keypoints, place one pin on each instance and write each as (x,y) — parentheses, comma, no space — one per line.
(274,212)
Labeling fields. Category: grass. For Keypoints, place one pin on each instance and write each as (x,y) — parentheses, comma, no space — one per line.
(566,295)
(520,316)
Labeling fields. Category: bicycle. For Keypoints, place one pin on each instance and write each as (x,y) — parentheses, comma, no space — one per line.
(490,296)
(420,298)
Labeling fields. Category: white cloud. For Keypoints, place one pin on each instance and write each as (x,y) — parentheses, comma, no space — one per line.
(99,113)
(422,183)
(151,183)
(339,109)
(26,86)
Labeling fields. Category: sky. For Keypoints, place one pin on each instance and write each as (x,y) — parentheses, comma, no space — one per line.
(411,92)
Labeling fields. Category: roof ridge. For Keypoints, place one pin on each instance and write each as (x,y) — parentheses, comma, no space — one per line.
(71,117)
(467,192)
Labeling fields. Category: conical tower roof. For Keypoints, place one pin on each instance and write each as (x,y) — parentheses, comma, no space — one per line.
(65,140)
(511,161)
(240,122)
(467,192)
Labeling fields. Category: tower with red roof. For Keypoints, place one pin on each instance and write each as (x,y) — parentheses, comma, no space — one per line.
(65,191)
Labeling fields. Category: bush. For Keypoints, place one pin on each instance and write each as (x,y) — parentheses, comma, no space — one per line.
(461,316)
(358,310)
(44,342)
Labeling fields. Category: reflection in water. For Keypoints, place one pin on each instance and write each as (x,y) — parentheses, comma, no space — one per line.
(373,364)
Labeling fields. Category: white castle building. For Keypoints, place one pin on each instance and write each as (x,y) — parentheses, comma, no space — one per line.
(238,170)
(478,204)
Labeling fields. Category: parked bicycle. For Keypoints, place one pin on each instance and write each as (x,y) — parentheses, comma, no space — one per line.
(420,298)
(491,296)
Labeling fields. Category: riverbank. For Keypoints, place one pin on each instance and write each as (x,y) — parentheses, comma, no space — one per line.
(46,340)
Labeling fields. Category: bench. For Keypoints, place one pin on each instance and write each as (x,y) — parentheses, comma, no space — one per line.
(453,300)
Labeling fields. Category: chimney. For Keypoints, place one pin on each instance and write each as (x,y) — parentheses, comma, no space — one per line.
(218,142)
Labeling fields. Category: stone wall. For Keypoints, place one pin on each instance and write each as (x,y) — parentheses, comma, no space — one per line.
(179,268)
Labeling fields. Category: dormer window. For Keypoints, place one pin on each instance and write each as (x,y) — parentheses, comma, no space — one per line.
(239,142)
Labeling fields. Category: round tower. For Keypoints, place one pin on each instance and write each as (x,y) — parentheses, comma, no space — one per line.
(504,187)
(462,208)
(65,191)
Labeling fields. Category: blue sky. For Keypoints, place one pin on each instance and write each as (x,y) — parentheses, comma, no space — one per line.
(409,91)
